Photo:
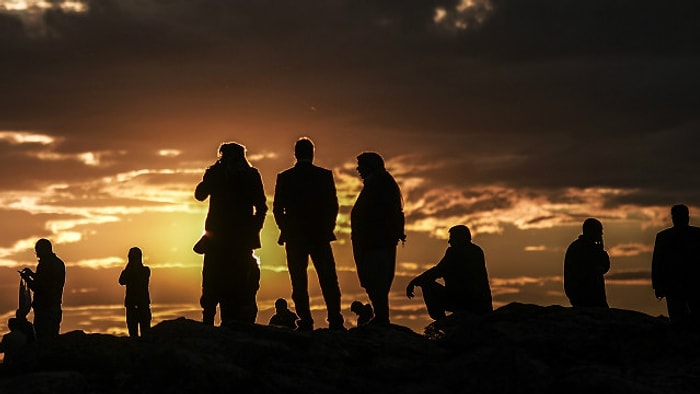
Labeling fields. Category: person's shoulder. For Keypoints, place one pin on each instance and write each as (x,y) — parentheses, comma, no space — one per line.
(665,232)
(288,172)
(58,260)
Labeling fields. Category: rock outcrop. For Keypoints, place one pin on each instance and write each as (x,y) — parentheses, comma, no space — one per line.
(517,349)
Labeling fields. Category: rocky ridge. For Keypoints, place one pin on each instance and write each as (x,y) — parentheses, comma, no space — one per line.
(519,348)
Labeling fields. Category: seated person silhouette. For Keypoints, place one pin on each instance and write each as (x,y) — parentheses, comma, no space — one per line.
(12,342)
(283,317)
(364,312)
(463,268)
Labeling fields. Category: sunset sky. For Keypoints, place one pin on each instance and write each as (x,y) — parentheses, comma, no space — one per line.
(518,118)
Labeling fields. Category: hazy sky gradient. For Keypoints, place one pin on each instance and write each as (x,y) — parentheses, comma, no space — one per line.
(519,118)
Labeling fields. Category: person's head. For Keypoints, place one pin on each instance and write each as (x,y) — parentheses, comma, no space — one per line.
(135,255)
(593,228)
(459,235)
(12,323)
(280,304)
(368,163)
(356,307)
(304,149)
(43,248)
(232,152)
(680,215)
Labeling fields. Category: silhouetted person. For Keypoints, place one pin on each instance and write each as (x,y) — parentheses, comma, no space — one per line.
(230,273)
(364,312)
(47,285)
(305,208)
(377,225)
(25,326)
(137,301)
(463,268)
(25,305)
(13,342)
(283,317)
(585,263)
(675,267)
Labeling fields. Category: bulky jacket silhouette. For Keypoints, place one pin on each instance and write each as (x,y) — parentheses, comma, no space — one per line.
(305,208)
(675,267)
(230,273)
(377,225)
(463,268)
(47,284)
(137,300)
(585,265)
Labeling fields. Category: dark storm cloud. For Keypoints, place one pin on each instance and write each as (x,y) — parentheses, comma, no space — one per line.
(567,93)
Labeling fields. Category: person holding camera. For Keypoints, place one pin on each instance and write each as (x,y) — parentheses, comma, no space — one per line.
(47,284)
(237,207)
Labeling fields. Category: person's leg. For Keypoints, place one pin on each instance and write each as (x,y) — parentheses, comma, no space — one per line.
(41,324)
(132,321)
(242,281)
(380,265)
(212,276)
(434,297)
(209,299)
(678,309)
(297,264)
(144,319)
(322,257)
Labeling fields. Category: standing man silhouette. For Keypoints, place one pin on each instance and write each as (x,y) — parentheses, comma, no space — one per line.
(377,225)
(47,285)
(230,273)
(675,266)
(585,263)
(305,208)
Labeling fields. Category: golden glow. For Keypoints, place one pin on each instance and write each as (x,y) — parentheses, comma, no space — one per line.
(630,249)
(26,137)
(535,248)
(440,14)
(169,152)
(41,5)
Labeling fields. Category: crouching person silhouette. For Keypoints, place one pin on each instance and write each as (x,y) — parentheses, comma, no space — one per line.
(137,300)
(463,268)
(283,316)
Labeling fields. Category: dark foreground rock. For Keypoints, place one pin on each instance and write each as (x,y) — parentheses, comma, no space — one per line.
(517,349)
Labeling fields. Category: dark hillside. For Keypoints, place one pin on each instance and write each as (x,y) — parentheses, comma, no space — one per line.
(518,349)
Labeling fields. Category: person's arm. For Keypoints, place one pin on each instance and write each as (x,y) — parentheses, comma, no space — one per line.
(123,278)
(330,203)
(28,275)
(203,189)
(259,201)
(421,280)
(658,279)
(279,203)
